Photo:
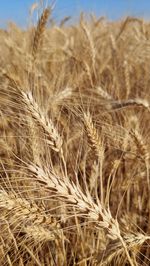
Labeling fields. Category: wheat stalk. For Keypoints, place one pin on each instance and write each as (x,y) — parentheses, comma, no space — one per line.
(73,195)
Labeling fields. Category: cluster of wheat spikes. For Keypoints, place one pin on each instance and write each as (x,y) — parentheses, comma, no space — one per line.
(75,143)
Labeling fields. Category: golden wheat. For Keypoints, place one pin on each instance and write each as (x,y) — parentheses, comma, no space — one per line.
(75,143)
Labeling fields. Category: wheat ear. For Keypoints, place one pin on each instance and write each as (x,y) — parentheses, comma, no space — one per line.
(73,195)
(96,143)
(29,218)
(39,31)
(52,136)
(130,103)
(143,149)
(22,209)
(94,138)
(115,249)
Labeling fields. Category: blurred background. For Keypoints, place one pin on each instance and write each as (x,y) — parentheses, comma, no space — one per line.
(18,10)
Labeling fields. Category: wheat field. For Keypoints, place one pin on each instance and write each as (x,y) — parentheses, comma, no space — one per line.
(75,143)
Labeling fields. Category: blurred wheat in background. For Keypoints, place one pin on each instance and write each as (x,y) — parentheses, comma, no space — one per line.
(75,143)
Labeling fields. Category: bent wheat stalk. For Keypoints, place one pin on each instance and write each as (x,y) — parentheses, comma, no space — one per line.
(73,195)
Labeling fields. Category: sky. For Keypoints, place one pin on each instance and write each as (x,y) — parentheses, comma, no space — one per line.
(18,10)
